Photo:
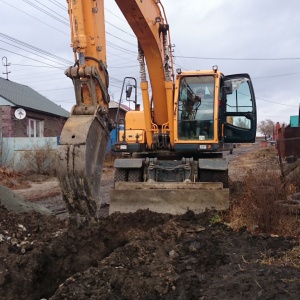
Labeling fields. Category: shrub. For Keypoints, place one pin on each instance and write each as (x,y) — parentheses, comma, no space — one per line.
(258,207)
(40,159)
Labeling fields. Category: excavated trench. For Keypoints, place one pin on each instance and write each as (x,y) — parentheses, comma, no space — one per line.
(144,255)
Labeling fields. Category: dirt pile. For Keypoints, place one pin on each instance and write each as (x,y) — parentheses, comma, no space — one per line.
(141,256)
(14,202)
(187,257)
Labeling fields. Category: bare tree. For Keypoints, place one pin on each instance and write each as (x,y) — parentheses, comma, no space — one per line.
(242,123)
(266,127)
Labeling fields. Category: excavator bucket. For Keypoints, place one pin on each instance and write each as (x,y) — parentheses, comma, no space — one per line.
(81,155)
(173,198)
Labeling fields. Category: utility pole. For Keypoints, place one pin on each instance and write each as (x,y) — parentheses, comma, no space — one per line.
(6,65)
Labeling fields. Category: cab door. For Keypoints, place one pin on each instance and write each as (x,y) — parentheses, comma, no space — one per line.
(238,109)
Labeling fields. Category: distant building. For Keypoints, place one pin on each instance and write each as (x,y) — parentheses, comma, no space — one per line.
(294,121)
(43,117)
(113,110)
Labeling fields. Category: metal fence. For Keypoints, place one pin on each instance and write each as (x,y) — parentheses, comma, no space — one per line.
(289,148)
(288,142)
(288,153)
(28,154)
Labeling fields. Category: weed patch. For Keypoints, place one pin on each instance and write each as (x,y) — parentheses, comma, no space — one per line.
(257,205)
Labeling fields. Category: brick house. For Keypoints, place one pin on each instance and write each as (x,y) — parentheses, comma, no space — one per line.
(113,110)
(43,117)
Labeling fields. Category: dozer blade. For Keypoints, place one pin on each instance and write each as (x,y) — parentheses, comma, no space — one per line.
(81,155)
(171,198)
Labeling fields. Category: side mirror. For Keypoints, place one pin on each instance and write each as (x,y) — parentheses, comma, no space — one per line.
(249,116)
(227,88)
(128,91)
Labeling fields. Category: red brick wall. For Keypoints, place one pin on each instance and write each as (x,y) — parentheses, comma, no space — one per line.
(113,111)
(11,127)
(6,122)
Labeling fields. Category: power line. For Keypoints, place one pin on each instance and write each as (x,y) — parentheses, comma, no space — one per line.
(67,62)
(277,102)
(28,66)
(40,75)
(45,12)
(58,89)
(53,11)
(121,58)
(58,4)
(228,58)
(121,67)
(273,116)
(121,39)
(30,52)
(116,16)
(31,58)
(280,75)
(120,29)
(182,60)
(34,48)
(113,45)
(67,23)
(35,18)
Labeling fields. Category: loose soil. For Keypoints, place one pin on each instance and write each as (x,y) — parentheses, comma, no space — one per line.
(143,255)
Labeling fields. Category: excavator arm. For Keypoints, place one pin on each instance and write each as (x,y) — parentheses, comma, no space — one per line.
(85,135)
(151,29)
(149,23)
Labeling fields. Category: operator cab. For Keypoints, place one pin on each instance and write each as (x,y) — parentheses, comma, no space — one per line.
(196,108)
(238,109)
(213,108)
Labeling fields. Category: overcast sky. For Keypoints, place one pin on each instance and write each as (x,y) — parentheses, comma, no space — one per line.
(258,37)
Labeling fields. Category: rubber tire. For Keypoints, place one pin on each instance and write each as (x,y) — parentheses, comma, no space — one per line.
(135,175)
(214,176)
(120,175)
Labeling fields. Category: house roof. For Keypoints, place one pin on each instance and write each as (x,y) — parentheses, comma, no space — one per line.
(25,97)
(114,104)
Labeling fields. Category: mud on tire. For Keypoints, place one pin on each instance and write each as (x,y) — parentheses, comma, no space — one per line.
(214,176)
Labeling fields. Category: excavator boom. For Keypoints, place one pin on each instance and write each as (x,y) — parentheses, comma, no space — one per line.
(151,29)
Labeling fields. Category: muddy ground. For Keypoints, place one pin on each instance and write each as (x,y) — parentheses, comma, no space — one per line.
(143,255)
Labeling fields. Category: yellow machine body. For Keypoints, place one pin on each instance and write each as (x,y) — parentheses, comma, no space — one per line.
(171,151)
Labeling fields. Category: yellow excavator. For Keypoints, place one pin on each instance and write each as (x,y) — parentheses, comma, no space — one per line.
(171,151)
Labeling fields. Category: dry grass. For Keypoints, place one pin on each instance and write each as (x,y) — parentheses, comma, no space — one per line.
(289,258)
(110,159)
(257,207)
(6,173)
(12,179)
(40,159)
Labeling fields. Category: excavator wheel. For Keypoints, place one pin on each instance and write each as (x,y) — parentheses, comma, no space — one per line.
(214,176)
(120,175)
(135,175)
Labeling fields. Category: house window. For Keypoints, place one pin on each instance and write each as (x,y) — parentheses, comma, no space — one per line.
(35,128)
